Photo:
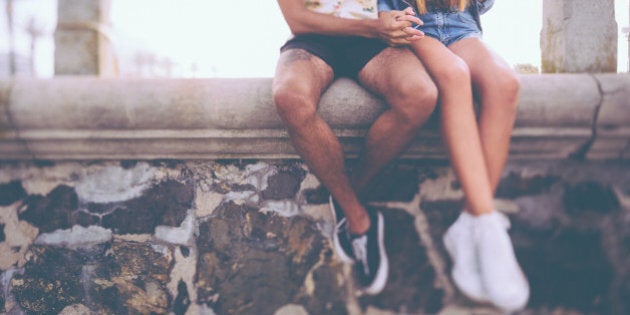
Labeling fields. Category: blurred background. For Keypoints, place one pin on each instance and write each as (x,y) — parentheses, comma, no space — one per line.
(201,38)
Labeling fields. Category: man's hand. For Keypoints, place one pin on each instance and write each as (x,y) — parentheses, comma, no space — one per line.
(395,27)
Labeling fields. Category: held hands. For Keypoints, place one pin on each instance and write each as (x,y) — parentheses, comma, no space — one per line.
(395,27)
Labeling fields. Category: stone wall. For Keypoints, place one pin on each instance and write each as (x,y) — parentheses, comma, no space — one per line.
(186,197)
(252,237)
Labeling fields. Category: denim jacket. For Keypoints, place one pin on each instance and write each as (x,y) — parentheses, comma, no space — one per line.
(477,8)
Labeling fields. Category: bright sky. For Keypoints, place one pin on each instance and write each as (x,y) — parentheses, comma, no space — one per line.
(215,39)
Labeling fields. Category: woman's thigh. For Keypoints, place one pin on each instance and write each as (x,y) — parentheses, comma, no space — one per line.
(486,67)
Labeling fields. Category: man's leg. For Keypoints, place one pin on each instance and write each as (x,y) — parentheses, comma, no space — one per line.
(299,81)
(399,77)
(298,84)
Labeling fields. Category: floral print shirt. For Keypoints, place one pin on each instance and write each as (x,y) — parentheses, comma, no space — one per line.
(350,9)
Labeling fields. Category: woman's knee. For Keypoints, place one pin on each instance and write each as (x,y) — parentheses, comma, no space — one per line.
(501,93)
(508,87)
(453,75)
(511,84)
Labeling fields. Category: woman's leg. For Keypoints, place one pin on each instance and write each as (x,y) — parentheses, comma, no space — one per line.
(461,136)
(459,126)
(498,88)
(503,280)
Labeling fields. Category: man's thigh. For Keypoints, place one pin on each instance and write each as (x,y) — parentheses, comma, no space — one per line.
(393,72)
(302,73)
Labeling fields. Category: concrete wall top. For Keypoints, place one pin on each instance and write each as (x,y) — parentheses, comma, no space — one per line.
(94,118)
(93,103)
(567,100)
(5,123)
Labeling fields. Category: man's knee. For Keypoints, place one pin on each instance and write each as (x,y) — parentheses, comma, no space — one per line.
(293,103)
(415,99)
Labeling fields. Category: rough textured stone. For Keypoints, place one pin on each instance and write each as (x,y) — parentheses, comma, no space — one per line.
(285,184)
(164,204)
(397,183)
(126,278)
(589,196)
(53,211)
(85,219)
(182,301)
(112,183)
(50,281)
(327,297)
(411,285)
(616,243)
(132,279)
(566,268)
(515,185)
(570,228)
(316,196)
(292,309)
(571,243)
(2,302)
(441,214)
(253,263)
(11,192)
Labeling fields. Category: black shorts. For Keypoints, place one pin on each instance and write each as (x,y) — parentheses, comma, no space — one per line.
(346,55)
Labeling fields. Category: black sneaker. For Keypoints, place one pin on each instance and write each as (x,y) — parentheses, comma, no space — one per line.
(341,242)
(371,265)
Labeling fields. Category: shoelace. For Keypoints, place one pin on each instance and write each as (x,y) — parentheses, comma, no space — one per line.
(340,224)
(359,248)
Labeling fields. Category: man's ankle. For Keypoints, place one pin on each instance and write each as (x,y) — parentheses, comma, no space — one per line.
(359,225)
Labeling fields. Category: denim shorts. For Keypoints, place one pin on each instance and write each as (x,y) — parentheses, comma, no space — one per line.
(449,26)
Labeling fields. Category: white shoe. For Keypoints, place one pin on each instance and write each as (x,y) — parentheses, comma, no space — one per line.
(461,247)
(501,276)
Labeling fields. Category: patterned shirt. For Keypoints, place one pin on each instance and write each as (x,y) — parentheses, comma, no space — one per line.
(350,9)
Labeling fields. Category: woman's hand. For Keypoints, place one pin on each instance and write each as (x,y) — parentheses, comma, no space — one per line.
(396,27)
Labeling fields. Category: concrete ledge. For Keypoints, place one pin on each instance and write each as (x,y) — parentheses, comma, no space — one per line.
(612,130)
(76,118)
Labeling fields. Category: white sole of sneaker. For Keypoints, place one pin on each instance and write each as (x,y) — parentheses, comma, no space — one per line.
(381,274)
(337,246)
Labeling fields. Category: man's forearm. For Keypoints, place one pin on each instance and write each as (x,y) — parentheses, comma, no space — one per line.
(391,27)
